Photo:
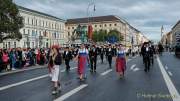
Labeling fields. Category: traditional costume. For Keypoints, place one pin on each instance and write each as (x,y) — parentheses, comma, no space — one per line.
(82,61)
(120,62)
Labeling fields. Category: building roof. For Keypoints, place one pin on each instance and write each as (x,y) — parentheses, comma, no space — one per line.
(41,13)
(94,19)
(176,24)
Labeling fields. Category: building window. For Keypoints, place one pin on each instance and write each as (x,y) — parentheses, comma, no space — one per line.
(14,44)
(28,20)
(69,34)
(39,33)
(46,24)
(99,25)
(43,23)
(95,25)
(9,45)
(110,25)
(115,24)
(68,27)
(28,32)
(24,31)
(32,21)
(52,26)
(33,44)
(72,27)
(36,22)
(105,25)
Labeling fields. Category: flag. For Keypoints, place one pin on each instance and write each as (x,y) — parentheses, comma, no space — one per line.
(90,31)
(162,29)
(94,8)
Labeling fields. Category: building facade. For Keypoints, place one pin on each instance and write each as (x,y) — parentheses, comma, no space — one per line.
(40,30)
(176,33)
(107,23)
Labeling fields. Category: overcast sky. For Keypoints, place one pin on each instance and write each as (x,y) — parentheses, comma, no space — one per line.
(146,15)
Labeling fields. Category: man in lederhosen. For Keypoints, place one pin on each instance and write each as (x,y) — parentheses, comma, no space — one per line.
(67,57)
(93,58)
(109,53)
(102,52)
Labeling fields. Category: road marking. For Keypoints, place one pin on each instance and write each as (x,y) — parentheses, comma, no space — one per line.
(21,70)
(106,72)
(166,67)
(169,73)
(27,81)
(129,60)
(132,67)
(67,95)
(136,69)
(172,89)
(22,82)
(70,69)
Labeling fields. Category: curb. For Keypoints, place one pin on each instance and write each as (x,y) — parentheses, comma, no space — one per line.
(21,70)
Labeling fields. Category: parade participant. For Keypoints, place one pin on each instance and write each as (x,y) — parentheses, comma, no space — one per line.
(93,58)
(1,61)
(120,61)
(146,56)
(13,58)
(83,60)
(109,53)
(102,53)
(5,59)
(54,64)
(67,56)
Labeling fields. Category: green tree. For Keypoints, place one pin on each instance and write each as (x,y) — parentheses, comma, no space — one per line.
(95,36)
(10,21)
(115,33)
(99,36)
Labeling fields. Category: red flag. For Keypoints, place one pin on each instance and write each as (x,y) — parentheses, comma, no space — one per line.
(90,31)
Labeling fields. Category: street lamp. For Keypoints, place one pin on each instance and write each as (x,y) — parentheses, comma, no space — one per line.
(89,27)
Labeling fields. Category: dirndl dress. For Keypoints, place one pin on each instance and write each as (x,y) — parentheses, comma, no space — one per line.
(120,62)
(82,61)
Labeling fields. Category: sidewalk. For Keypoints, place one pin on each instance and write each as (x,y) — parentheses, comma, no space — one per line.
(23,69)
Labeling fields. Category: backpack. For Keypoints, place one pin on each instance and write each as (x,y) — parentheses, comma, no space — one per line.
(58,59)
(5,58)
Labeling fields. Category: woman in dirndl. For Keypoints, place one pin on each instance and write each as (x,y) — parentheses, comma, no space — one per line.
(120,61)
(54,65)
(83,60)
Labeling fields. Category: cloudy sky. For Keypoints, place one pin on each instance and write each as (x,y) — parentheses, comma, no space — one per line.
(146,15)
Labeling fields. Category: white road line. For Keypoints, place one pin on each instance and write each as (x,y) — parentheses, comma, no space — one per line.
(67,95)
(172,89)
(106,72)
(27,81)
(169,73)
(20,70)
(129,60)
(166,67)
(136,69)
(132,67)
(23,82)
(70,69)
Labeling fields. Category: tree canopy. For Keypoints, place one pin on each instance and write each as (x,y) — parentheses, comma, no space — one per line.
(10,21)
(102,36)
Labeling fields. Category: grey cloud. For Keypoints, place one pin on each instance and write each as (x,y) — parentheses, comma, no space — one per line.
(146,15)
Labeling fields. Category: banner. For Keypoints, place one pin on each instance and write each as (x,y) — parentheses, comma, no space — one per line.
(90,31)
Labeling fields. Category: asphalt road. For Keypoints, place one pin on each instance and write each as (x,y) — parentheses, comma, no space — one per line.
(162,83)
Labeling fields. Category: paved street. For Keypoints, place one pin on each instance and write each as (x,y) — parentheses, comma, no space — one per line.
(105,85)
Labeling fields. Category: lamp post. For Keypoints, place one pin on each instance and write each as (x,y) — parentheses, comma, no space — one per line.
(89,27)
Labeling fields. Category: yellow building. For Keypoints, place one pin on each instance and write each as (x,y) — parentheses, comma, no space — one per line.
(107,23)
